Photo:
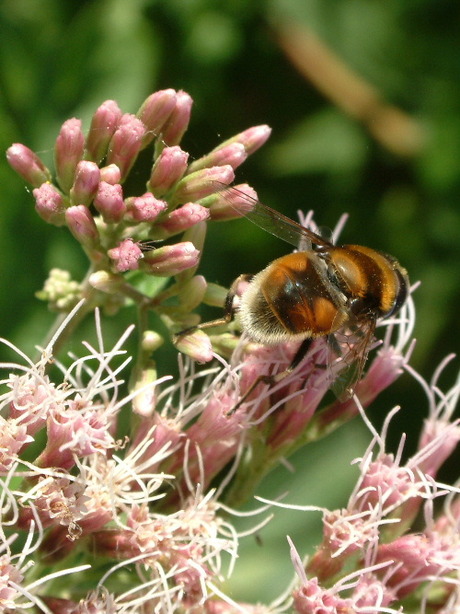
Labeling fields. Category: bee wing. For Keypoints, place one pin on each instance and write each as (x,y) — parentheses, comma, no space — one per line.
(271,220)
(351,348)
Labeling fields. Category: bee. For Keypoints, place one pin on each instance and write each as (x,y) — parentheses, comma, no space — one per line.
(319,291)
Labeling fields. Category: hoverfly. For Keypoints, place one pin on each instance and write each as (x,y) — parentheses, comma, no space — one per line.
(319,291)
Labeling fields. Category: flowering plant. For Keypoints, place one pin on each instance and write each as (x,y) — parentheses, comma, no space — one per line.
(142,523)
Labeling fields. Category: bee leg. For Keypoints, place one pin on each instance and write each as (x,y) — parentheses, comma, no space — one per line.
(229,310)
(302,351)
(273,379)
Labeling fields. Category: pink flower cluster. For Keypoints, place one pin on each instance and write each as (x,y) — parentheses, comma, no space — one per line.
(138,515)
(144,503)
(113,225)
(372,558)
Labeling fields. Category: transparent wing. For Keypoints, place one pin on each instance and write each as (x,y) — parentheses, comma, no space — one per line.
(350,348)
(271,220)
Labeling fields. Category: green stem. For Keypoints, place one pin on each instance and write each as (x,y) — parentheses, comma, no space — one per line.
(261,458)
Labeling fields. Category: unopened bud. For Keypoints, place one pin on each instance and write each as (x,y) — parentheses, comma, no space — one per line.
(252,138)
(233,154)
(215,295)
(103,124)
(145,208)
(155,111)
(86,182)
(169,167)
(27,164)
(109,202)
(231,203)
(126,143)
(183,218)
(111,174)
(105,282)
(171,259)
(196,234)
(68,152)
(192,293)
(49,204)
(81,224)
(203,182)
(178,121)
(151,341)
(197,345)
(226,343)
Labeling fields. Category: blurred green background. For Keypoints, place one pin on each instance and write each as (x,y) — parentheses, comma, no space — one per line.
(364,100)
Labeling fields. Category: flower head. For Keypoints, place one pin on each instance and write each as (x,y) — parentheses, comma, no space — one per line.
(104,457)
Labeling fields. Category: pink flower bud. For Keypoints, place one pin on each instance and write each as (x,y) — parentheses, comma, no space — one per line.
(111,174)
(126,256)
(27,164)
(252,138)
(231,203)
(49,204)
(233,154)
(169,167)
(86,182)
(203,182)
(109,201)
(145,208)
(171,259)
(81,225)
(197,345)
(126,143)
(184,217)
(178,121)
(68,151)
(103,124)
(155,111)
